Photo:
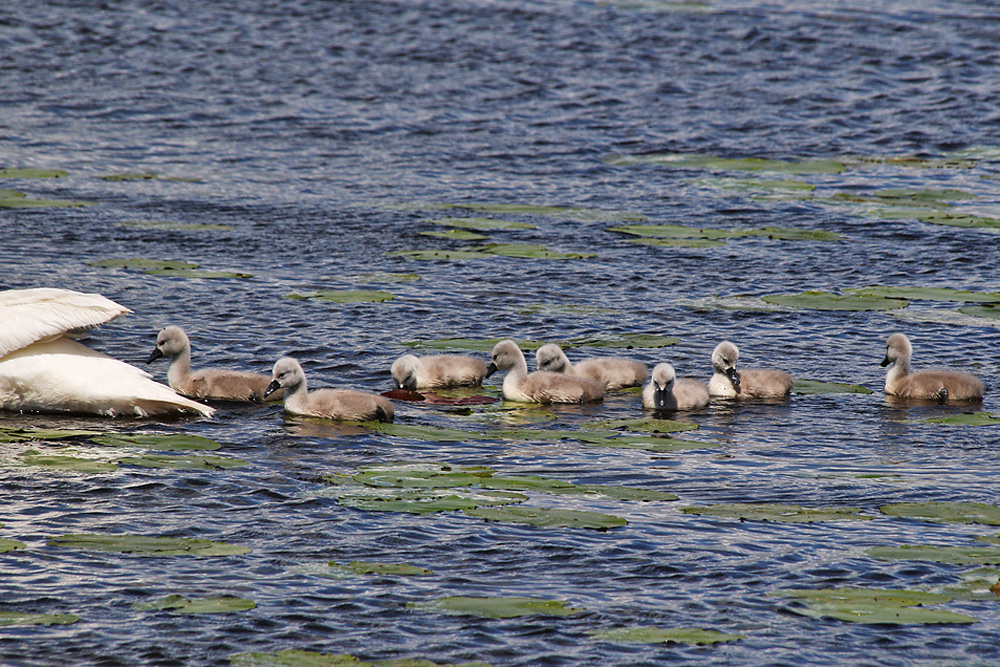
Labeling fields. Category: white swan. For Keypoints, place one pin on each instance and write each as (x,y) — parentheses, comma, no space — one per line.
(941,386)
(540,386)
(438,370)
(338,404)
(43,370)
(665,391)
(727,382)
(207,384)
(612,372)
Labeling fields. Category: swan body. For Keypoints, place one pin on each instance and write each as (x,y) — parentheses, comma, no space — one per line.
(727,382)
(337,404)
(943,386)
(440,370)
(612,372)
(540,386)
(206,384)
(43,370)
(665,391)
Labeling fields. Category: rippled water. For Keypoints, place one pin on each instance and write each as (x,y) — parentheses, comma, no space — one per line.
(314,130)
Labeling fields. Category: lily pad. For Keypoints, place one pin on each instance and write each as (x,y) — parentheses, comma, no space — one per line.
(876,613)
(681,232)
(966,419)
(25,202)
(934,198)
(928,294)
(956,512)
(814,300)
(779,513)
(456,235)
(22,618)
(938,554)
(538,516)
(695,161)
(673,232)
(16,433)
(130,176)
(184,462)
(294,658)
(70,463)
(199,274)
(917,162)
(676,243)
(626,341)
(877,605)
(32,173)
(163,443)
(148,546)
(653,635)
(425,433)
(143,264)
(367,567)
(991,311)
(345,296)
(183,605)
(980,585)
(883,595)
(481,224)
(424,501)
(951,219)
(801,386)
(497,607)
(439,255)
(10,545)
(531,251)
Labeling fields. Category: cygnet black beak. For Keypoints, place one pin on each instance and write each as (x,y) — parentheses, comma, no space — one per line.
(154,355)
(491,368)
(271,388)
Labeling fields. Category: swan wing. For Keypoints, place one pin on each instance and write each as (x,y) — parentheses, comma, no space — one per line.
(31,315)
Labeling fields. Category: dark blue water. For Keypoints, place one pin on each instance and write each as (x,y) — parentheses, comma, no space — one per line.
(324,135)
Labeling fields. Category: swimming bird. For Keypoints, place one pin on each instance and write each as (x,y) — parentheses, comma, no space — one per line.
(727,382)
(439,370)
(934,385)
(612,372)
(338,404)
(43,370)
(665,391)
(540,386)
(207,384)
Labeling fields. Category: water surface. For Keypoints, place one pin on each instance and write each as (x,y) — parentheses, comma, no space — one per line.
(325,136)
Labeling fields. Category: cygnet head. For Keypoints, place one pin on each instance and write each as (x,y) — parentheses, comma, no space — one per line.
(169,343)
(288,375)
(505,356)
(550,357)
(404,372)
(662,379)
(897,348)
(724,360)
